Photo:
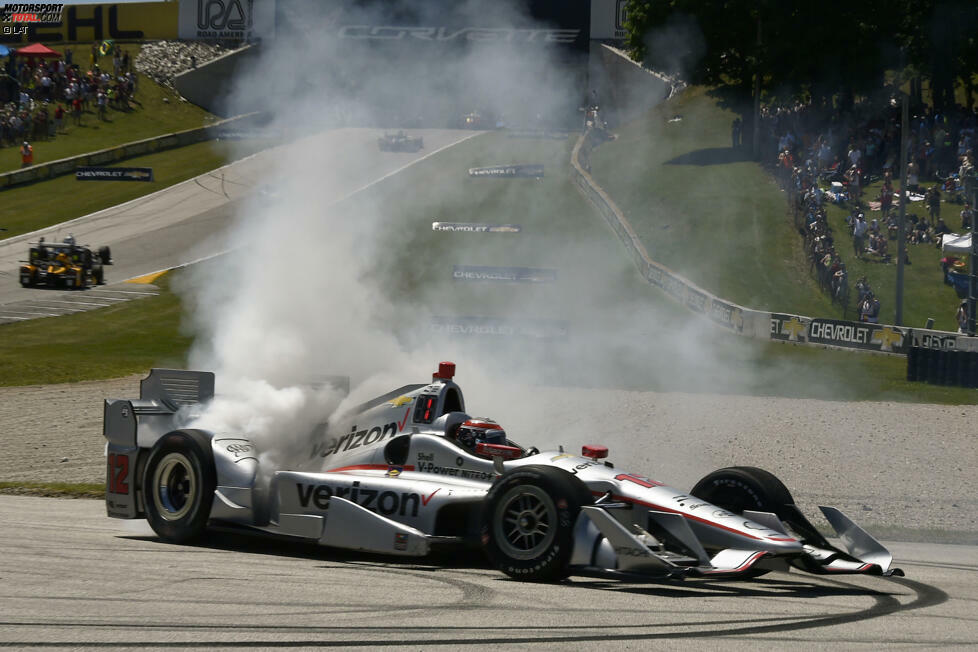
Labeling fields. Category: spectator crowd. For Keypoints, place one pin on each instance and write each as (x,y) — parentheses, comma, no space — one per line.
(825,155)
(41,97)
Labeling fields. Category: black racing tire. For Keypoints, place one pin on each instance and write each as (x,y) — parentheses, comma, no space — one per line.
(105,255)
(528,522)
(740,488)
(98,275)
(178,485)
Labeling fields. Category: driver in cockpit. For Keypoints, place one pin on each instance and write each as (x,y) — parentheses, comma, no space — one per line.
(476,431)
(468,431)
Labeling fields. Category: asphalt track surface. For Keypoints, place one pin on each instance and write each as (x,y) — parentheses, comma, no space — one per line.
(152,233)
(54,303)
(71,578)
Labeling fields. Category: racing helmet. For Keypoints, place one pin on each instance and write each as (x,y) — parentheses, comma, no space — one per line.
(479,431)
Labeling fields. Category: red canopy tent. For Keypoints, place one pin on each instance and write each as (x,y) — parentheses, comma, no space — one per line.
(38,50)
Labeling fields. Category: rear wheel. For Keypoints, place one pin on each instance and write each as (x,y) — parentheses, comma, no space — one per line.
(528,525)
(105,255)
(178,484)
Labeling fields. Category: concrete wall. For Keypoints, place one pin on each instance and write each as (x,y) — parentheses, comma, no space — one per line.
(209,85)
(625,89)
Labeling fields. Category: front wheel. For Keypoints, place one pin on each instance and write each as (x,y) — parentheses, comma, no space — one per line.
(528,526)
(740,488)
(179,484)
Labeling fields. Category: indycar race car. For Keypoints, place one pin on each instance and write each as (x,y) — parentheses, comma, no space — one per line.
(400,142)
(410,471)
(64,265)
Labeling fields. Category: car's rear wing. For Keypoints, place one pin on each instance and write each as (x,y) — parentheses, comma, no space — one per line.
(140,422)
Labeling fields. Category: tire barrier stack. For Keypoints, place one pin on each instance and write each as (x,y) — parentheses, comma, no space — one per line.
(779,327)
(949,367)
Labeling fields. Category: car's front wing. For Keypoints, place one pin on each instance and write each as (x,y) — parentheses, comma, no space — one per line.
(603,545)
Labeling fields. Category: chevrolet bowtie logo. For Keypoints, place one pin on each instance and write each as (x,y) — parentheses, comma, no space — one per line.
(737,319)
(795,329)
(888,338)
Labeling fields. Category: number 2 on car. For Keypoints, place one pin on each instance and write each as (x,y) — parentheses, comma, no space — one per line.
(118,474)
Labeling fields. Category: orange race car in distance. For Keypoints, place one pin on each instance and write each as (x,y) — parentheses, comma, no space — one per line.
(64,265)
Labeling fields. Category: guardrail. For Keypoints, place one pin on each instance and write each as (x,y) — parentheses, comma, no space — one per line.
(65,166)
(778,327)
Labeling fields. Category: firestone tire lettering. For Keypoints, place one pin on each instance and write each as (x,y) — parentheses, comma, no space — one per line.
(566,495)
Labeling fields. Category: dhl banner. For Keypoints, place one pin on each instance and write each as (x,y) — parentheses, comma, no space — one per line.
(243,20)
(124,21)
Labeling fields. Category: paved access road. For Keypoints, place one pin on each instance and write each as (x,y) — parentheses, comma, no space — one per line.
(183,223)
(72,578)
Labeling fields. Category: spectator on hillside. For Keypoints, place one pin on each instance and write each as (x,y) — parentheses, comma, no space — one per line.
(862,289)
(76,110)
(962,317)
(26,155)
(869,311)
(839,279)
(735,129)
(967,214)
(886,198)
(933,199)
(49,121)
(920,233)
(878,247)
(859,230)
(852,177)
(913,179)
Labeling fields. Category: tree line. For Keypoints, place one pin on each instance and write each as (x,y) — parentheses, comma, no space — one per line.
(821,52)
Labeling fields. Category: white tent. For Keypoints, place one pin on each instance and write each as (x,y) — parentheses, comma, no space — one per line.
(956,244)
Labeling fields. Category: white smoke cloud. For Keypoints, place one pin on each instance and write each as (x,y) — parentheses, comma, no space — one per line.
(299,298)
(307,293)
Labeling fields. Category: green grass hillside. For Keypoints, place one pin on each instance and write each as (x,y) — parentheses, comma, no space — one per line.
(156,111)
(720,220)
(38,205)
(705,211)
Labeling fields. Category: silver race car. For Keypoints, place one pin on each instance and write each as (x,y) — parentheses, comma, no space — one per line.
(411,471)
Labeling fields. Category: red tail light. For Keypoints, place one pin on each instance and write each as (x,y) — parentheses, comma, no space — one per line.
(594,451)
